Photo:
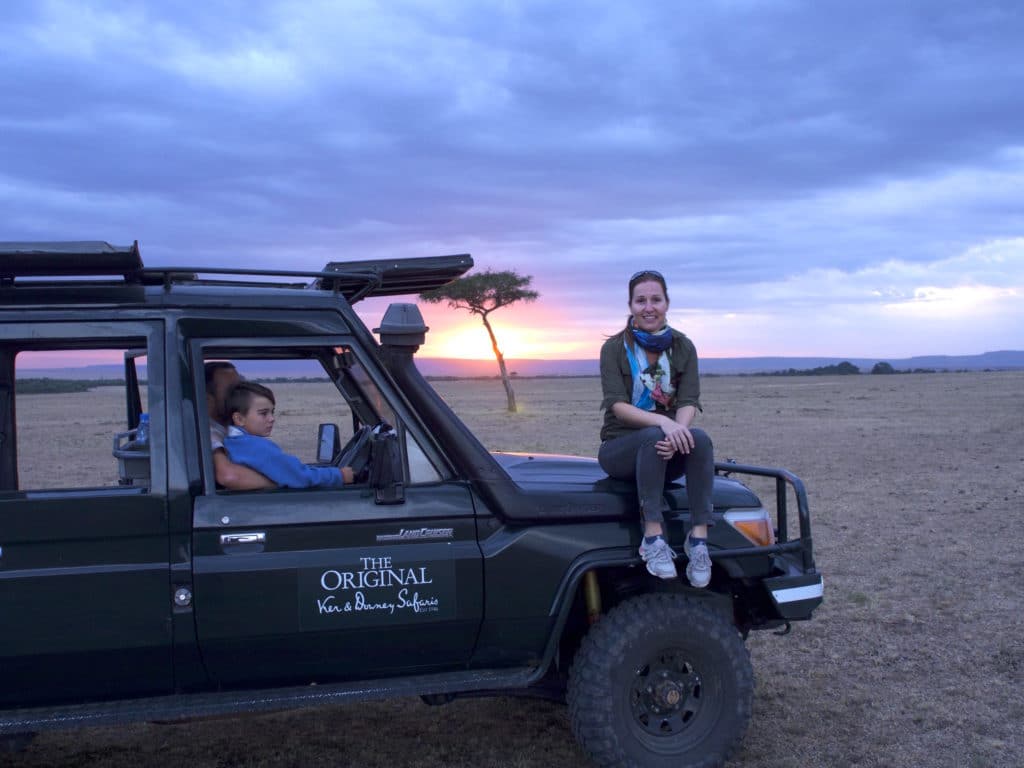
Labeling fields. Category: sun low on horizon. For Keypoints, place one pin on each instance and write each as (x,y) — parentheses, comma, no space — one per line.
(468,340)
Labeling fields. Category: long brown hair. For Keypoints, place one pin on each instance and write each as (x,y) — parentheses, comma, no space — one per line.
(643,276)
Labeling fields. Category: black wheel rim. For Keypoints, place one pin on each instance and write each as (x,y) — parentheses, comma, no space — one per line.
(666,695)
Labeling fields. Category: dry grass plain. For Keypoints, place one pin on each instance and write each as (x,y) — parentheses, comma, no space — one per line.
(916,657)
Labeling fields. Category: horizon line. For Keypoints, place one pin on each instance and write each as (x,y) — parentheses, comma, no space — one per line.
(596,358)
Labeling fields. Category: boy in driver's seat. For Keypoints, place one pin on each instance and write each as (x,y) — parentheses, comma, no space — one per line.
(250,409)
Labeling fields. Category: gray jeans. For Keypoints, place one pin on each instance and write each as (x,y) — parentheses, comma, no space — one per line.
(634,456)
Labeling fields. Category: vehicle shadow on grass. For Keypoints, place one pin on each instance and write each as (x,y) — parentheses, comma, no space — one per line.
(500,732)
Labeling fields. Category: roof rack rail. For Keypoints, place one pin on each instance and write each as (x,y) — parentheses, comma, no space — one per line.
(355,280)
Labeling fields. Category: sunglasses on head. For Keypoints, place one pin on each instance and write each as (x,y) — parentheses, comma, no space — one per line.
(646,273)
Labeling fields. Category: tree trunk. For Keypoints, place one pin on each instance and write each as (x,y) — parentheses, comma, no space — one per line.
(501,367)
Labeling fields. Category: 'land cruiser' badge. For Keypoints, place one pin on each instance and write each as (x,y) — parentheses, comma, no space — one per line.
(418,534)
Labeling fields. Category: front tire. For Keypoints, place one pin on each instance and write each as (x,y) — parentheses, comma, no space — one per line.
(661,680)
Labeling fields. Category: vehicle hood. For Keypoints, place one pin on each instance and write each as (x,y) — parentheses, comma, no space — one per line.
(577,475)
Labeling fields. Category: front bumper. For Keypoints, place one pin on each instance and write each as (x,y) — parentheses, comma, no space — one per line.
(796,597)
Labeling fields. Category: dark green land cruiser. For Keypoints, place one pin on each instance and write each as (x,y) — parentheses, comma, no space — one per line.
(132,587)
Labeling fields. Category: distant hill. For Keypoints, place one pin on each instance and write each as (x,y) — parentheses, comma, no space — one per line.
(1001,360)
(723,366)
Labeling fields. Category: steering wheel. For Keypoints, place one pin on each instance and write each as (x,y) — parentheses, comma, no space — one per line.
(356,454)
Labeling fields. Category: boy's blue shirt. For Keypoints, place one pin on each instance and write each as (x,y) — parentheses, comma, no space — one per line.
(267,458)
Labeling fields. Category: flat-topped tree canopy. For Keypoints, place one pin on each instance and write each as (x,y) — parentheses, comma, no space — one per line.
(89,258)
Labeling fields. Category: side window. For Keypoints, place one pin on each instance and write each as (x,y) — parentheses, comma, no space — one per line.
(421,469)
(304,397)
(310,387)
(76,414)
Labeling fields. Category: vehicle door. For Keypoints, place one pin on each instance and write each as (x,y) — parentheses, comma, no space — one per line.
(309,585)
(84,576)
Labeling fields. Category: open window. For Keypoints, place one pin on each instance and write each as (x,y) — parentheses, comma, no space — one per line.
(70,410)
(329,411)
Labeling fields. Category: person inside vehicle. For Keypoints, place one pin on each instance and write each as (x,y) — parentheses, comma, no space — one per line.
(651,394)
(250,407)
(221,376)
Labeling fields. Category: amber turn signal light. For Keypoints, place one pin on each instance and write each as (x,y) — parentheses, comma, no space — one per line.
(754,524)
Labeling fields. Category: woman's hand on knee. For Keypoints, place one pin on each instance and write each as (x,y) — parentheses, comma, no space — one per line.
(679,436)
(665,449)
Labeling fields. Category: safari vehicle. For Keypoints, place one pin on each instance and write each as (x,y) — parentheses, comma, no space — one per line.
(133,588)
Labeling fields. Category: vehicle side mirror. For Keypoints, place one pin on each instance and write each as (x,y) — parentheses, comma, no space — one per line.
(328,443)
(386,475)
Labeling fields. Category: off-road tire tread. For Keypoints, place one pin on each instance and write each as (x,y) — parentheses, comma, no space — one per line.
(590,694)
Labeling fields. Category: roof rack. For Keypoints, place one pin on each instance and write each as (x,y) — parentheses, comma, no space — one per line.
(353,279)
(395,277)
(85,258)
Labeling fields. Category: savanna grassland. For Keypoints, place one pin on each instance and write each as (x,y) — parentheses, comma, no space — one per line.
(916,658)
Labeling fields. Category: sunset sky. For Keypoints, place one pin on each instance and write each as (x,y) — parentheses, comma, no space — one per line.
(813,178)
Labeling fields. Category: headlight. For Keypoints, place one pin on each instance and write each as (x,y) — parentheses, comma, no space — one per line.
(754,524)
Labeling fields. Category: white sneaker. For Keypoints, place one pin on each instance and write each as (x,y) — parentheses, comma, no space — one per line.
(698,570)
(659,556)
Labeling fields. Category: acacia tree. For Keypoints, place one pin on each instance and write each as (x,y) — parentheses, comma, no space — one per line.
(481,294)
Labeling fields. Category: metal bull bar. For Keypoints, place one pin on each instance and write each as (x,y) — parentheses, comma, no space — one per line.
(804,545)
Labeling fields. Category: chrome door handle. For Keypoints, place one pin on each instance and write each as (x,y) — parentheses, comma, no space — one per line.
(256,537)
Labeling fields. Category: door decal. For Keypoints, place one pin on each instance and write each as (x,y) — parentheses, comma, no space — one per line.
(377,590)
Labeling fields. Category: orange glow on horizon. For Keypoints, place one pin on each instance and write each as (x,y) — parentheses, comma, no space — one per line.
(523,333)
(470,341)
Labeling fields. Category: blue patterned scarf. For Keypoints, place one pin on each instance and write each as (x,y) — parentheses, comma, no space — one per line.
(658,341)
(652,384)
